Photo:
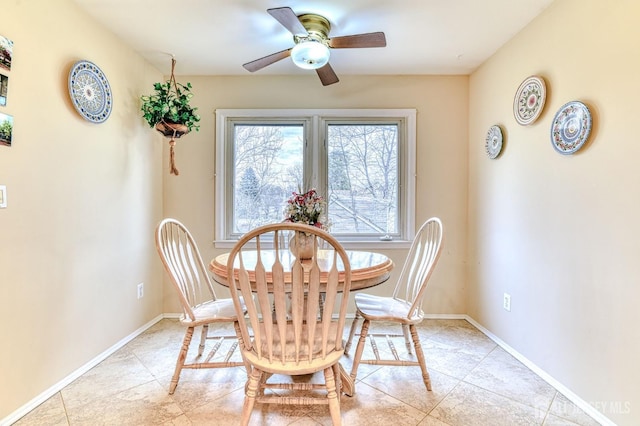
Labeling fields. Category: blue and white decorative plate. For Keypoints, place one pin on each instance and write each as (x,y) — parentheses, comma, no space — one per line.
(529,100)
(90,91)
(493,142)
(571,127)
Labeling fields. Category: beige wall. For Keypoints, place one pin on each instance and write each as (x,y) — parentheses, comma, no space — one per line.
(560,233)
(441,104)
(83,200)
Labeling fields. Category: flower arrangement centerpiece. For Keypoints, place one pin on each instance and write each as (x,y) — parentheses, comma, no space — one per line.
(308,208)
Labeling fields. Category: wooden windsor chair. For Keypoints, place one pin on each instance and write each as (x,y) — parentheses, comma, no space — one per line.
(404,307)
(182,261)
(289,331)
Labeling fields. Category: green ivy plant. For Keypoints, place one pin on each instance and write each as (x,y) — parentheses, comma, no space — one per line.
(170,103)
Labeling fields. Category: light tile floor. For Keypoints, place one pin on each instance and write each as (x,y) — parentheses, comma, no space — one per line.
(475,382)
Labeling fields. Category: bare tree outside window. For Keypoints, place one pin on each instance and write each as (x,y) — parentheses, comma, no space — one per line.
(362,175)
(363,178)
(268,167)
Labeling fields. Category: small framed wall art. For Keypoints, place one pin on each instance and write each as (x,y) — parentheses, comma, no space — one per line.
(529,100)
(6,53)
(6,129)
(4,89)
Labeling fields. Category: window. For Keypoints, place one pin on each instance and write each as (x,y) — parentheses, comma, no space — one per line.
(357,159)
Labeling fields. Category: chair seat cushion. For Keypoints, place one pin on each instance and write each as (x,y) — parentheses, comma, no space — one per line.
(211,311)
(386,308)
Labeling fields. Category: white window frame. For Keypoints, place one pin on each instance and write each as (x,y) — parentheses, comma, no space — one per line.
(317,118)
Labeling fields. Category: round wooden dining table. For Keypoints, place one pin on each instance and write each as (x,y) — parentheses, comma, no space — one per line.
(368,269)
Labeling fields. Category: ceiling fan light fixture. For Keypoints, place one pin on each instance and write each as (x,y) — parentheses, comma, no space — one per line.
(310,55)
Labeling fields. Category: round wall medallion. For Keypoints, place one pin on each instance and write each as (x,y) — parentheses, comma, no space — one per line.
(529,100)
(571,127)
(90,91)
(493,142)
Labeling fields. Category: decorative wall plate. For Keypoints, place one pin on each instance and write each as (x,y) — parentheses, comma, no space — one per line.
(571,127)
(529,100)
(90,91)
(493,143)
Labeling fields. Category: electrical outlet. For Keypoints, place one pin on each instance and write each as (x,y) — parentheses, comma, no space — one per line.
(140,290)
(506,302)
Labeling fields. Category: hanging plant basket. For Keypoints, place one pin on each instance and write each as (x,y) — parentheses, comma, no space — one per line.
(172,130)
(169,111)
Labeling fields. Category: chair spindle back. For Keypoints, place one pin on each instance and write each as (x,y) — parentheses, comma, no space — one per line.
(183,262)
(287,323)
(421,259)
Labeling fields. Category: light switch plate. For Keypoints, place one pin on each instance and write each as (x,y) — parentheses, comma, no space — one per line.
(3,197)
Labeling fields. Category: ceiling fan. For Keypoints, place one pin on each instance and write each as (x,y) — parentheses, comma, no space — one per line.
(312,43)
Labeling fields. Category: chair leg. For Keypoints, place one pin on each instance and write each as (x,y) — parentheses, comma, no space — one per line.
(203,339)
(420,355)
(263,382)
(332,395)
(352,332)
(182,356)
(251,391)
(247,366)
(338,377)
(356,358)
(407,339)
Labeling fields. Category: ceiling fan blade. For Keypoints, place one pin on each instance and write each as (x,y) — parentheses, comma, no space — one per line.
(288,19)
(258,64)
(359,40)
(327,75)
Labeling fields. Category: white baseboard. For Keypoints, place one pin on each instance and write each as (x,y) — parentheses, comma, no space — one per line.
(446,316)
(582,404)
(29,406)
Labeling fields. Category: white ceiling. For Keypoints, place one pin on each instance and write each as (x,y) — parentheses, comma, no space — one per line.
(215,37)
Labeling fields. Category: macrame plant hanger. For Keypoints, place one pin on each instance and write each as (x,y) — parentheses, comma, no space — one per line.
(172,130)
